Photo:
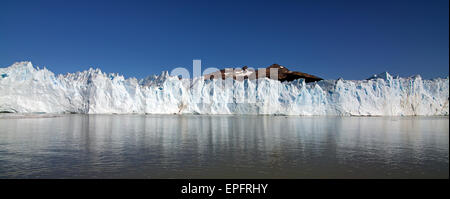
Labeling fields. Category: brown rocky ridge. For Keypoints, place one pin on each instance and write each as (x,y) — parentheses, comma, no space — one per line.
(283,74)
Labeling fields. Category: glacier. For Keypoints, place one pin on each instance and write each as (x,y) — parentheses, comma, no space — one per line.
(28,89)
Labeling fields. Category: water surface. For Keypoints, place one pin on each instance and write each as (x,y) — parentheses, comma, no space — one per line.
(198,146)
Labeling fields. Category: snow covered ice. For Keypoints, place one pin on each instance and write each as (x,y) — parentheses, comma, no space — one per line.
(26,89)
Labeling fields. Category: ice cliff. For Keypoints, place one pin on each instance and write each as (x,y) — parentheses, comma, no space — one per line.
(26,89)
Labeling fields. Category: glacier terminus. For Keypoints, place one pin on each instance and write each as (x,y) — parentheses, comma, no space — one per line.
(27,89)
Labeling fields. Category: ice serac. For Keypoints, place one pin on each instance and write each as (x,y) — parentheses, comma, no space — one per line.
(26,89)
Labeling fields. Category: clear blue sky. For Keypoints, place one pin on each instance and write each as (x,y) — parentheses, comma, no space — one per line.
(331,39)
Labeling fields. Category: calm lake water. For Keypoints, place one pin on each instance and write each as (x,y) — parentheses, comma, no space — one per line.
(193,146)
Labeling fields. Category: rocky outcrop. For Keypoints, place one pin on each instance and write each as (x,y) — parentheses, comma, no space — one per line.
(279,72)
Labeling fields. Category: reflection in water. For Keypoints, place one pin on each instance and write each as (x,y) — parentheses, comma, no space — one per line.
(191,146)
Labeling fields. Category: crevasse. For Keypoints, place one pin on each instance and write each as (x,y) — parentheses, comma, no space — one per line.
(25,89)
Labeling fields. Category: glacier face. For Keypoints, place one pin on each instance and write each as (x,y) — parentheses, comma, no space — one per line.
(26,89)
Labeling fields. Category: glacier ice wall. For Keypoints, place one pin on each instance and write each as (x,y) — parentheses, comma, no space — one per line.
(26,89)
